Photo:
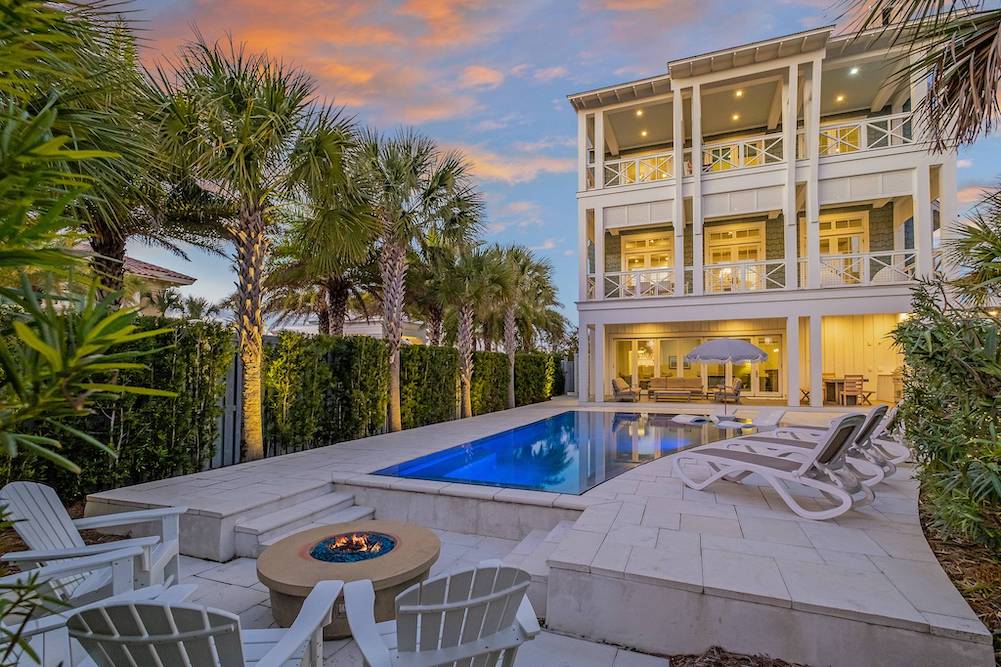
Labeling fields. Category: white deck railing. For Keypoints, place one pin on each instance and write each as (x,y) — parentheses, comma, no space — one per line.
(647,282)
(745,276)
(866,268)
(644,169)
(866,134)
(742,154)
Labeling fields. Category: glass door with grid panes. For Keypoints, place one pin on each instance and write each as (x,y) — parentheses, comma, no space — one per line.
(843,239)
(728,245)
(650,250)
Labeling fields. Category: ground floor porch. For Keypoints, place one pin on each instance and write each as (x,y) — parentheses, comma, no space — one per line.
(815,360)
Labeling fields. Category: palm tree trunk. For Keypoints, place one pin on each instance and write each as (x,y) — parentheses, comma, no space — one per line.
(465,342)
(322,311)
(251,247)
(433,327)
(108,263)
(337,305)
(509,325)
(393,269)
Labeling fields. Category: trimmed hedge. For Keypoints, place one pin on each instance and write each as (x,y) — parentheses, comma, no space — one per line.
(489,386)
(319,390)
(155,437)
(534,376)
(429,384)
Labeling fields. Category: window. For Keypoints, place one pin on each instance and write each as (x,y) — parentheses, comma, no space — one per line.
(840,233)
(654,250)
(743,242)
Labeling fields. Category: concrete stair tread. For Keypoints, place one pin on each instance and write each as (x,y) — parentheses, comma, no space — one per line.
(527,545)
(532,553)
(353,513)
(296,513)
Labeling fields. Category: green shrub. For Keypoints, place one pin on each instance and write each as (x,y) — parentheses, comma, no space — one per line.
(429,384)
(319,390)
(534,373)
(155,437)
(488,391)
(951,414)
(559,380)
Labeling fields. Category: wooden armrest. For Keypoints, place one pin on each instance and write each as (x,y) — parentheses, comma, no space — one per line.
(42,555)
(314,614)
(72,566)
(127,518)
(527,618)
(359,604)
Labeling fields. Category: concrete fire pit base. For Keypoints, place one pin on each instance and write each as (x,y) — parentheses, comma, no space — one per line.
(290,573)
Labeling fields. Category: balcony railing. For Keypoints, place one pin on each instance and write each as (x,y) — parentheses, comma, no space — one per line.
(645,169)
(741,154)
(864,134)
(647,282)
(866,268)
(745,276)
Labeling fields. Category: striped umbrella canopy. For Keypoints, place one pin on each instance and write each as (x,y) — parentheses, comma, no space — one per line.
(723,350)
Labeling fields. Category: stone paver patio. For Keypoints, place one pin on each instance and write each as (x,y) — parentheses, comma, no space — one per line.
(676,570)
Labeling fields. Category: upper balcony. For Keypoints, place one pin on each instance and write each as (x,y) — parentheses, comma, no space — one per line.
(742,124)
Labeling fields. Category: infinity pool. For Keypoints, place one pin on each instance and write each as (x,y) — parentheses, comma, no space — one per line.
(568,453)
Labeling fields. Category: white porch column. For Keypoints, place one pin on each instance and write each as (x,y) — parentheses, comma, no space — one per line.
(790,242)
(583,365)
(600,390)
(599,149)
(581,151)
(581,251)
(816,362)
(678,130)
(792,360)
(599,252)
(922,220)
(948,218)
(812,188)
(698,258)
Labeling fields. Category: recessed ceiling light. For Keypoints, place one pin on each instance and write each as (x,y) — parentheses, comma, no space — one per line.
(639,112)
(739,93)
(839,98)
(853,71)
(642,133)
(735,116)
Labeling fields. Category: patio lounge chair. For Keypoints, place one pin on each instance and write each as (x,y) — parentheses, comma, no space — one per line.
(46,635)
(473,617)
(723,394)
(126,634)
(865,460)
(623,392)
(820,468)
(889,438)
(51,535)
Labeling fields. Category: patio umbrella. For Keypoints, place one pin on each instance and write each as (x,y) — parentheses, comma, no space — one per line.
(727,350)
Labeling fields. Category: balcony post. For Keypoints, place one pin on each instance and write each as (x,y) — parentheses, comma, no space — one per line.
(792,360)
(948,218)
(599,362)
(599,252)
(581,151)
(698,277)
(812,189)
(919,90)
(583,363)
(816,362)
(582,251)
(678,131)
(599,149)
(790,243)
(922,220)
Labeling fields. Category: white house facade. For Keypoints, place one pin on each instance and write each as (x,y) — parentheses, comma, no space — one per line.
(781,192)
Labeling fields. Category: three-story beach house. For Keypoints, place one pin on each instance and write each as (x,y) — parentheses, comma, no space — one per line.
(779,192)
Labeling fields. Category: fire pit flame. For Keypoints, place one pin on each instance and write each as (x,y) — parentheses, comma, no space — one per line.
(352,547)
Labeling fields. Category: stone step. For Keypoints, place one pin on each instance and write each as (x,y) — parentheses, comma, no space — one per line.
(532,555)
(299,513)
(353,513)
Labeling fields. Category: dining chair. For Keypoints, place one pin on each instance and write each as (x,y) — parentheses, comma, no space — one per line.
(854,387)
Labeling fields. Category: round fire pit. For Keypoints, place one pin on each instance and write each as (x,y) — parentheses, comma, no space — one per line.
(392,555)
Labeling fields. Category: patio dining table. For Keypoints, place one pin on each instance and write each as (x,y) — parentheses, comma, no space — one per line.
(833,388)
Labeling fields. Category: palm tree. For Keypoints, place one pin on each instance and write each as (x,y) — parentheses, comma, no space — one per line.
(475,279)
(960,44)
(198,308)
(977,249)
(420,196)
(426,299)
(236,118)
(164,300)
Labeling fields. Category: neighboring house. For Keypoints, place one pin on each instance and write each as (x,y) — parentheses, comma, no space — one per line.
(779,192)
(143,278)
(413,332)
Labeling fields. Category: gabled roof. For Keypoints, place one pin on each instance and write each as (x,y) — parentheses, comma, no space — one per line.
(621,92)
(749,54)
(137,267)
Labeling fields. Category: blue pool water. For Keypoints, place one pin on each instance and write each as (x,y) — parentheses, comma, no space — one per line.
(568,453)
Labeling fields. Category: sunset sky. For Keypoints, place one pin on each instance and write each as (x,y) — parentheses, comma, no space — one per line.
(489,77)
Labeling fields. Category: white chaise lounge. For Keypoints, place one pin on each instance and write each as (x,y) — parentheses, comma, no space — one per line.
(820,468)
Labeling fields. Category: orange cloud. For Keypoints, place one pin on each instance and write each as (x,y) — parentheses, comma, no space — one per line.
(478,76)
(513,167)
(974,193)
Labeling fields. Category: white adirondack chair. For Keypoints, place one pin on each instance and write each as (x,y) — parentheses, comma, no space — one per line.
(52,536)
(46,634)
(127,634)
(475,617)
